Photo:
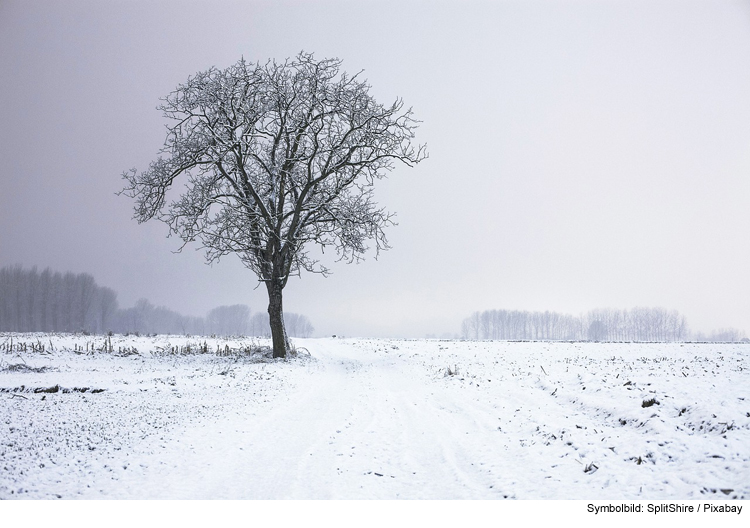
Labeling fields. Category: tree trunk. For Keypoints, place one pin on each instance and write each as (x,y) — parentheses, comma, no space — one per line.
(276,318)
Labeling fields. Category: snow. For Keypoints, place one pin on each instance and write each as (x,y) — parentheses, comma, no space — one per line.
(373,419)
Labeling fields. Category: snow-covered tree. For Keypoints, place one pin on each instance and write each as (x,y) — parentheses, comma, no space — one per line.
(275,157)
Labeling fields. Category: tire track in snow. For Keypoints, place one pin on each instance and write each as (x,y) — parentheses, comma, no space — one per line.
(264,455)
(422,445)
(358,425)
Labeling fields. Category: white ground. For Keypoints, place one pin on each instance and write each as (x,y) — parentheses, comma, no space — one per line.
(367,418)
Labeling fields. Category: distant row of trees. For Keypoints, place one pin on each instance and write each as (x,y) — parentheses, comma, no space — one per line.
(514,324)
(637,324)
(49,301)
(233,320)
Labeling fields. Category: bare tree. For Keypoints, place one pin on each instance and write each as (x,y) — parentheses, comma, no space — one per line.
(601,324)
(597,331)
(229,320)
(298,325)
(276,156)
(84,295)
(107,303)
(45,280)
(259,325)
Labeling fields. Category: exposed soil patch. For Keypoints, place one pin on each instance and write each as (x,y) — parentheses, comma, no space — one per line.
(50,390)
(22,367)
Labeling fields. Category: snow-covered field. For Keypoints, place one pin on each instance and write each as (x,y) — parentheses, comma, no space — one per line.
(372,418)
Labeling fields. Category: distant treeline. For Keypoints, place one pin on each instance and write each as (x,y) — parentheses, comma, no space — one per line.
(638,324)
(49,301)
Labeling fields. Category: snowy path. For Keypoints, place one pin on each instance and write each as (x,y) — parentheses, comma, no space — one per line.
(380,419)
(361,426)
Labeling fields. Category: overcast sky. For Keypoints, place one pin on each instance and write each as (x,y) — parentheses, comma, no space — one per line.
(582,154)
